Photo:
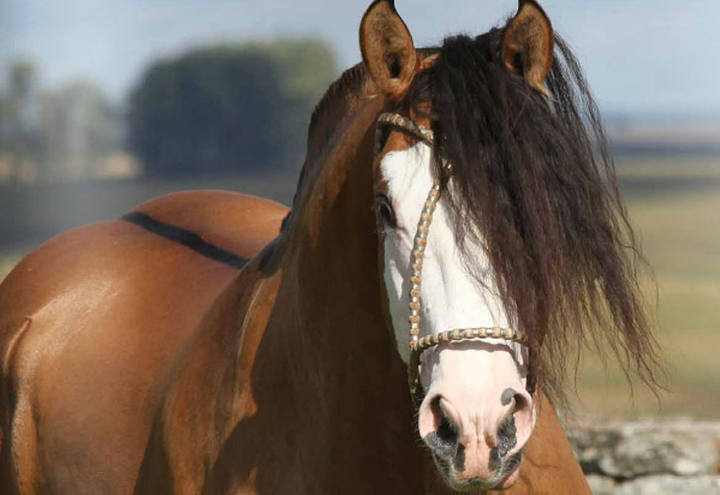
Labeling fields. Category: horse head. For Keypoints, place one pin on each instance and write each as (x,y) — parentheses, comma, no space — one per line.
(492,209)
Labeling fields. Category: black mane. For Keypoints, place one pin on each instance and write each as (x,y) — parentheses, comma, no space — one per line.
(533,177)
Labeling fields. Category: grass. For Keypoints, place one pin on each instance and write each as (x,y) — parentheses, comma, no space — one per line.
(678,222)
(680,234)
(670,168)
(8,259)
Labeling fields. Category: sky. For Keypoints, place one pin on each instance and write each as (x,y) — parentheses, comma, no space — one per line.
(640,56)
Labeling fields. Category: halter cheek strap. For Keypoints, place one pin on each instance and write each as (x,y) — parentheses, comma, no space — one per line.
(419,344)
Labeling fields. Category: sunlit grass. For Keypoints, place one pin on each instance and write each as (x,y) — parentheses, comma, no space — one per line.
(680,235)
(670,167)
(8,262)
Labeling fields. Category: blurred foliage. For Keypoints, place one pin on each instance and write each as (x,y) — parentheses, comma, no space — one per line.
(81,131)
(228,109)
(18,106)
(71,133)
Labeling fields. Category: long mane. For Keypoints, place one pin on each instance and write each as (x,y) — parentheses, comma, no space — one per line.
(532,179)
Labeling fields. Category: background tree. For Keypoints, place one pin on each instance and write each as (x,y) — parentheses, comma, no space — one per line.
(18,111)
(79,129)
(228,109)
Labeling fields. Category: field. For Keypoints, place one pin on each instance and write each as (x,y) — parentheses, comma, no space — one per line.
(674,205)
(675,212)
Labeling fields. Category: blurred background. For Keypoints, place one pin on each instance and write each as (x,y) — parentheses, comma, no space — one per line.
(104,105)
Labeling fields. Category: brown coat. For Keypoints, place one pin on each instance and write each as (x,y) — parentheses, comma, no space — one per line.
(134,362)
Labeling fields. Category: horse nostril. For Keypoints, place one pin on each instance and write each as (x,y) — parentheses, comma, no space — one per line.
(507,396)
(507,436)
(508,429)
(443,439)
(446,431)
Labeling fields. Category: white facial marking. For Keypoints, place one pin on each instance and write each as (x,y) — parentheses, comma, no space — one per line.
(451,297)
(464,382)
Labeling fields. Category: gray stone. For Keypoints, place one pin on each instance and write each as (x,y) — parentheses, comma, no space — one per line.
(601,485)
(671,485)
(641,448)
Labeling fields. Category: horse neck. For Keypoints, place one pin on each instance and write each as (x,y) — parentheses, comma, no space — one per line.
(348,382)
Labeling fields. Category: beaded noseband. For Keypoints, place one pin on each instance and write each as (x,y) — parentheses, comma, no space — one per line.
(419,344)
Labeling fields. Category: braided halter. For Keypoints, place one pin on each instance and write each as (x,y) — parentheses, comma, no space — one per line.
(419,344)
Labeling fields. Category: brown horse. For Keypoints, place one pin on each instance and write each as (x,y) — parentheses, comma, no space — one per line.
(135,356)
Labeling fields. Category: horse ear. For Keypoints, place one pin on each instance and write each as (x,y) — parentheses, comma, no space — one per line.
(387,49)
(527,45)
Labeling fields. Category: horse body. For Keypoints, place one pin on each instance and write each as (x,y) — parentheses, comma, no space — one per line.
(91,323)
(255,395)
(295,378)
(136,358)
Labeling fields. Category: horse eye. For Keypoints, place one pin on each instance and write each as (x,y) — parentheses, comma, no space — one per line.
(385,210)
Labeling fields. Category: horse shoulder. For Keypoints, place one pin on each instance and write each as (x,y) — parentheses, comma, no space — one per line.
(207,436)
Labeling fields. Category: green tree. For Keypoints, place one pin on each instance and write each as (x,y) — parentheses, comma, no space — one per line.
(19,140)
(19,109)
(228,109)
(78,129)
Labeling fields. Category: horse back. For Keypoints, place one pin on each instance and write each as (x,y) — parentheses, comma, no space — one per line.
(90,325)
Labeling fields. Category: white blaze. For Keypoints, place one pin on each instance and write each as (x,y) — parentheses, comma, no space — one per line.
(451,296)
(469,376)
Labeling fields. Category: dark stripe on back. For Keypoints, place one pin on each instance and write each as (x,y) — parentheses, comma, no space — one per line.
(186,238)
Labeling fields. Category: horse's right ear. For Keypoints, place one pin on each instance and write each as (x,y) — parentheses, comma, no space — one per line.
(387,49)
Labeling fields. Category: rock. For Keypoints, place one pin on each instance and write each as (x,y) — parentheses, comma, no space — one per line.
(641,448)
(592,445)
(601,485)
(670,485)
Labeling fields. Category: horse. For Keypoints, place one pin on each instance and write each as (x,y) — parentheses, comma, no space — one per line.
(455,226)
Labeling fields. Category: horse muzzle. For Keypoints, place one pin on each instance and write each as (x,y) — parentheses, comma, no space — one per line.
(476,423)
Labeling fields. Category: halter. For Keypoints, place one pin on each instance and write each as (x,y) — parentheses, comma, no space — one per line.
(419,344)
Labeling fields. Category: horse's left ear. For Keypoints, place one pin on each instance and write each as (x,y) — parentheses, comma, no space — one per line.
(527,45)
(387,49)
